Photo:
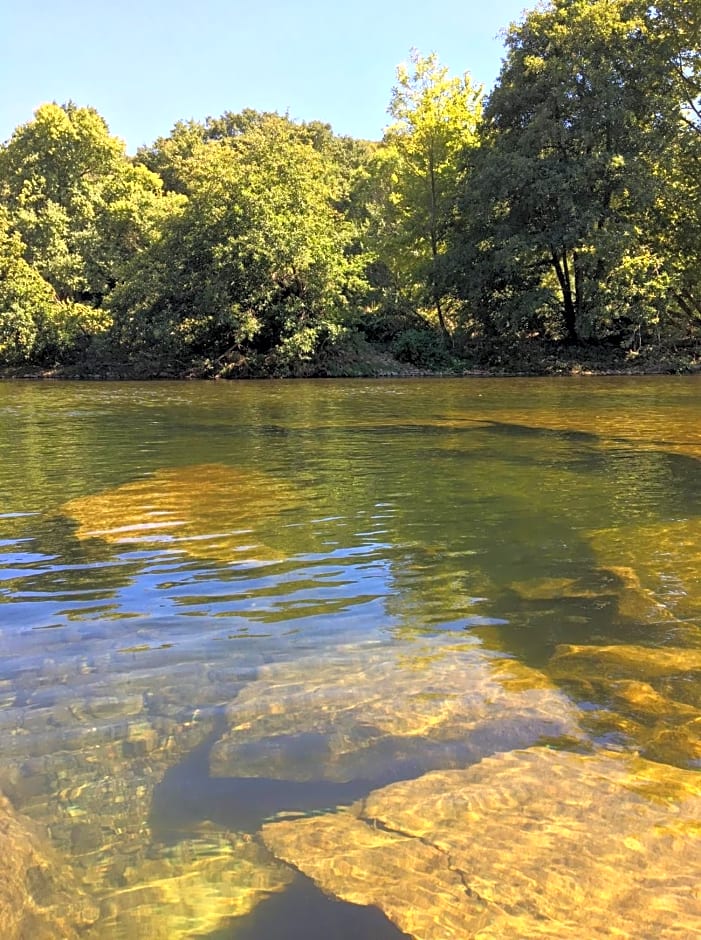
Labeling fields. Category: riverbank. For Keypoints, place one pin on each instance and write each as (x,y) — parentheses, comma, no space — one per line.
(533,359)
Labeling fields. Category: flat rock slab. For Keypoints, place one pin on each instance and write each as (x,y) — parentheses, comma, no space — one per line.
(380,711)
(627,661)
(665,558)
(613,583)
(532,843)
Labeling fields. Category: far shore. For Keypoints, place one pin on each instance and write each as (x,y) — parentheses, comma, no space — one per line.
(582,362)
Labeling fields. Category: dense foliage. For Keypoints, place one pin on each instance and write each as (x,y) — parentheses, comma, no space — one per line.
(559,216)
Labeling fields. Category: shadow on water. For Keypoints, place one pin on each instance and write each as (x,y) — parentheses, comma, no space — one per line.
(303,912)
(511,429)
(188,795)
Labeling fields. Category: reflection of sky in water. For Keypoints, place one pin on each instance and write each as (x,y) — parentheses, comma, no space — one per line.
(342,592)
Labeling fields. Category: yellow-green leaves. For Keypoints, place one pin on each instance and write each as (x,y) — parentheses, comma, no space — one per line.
(256,266)
(78,203)
(435,121)
(575,131)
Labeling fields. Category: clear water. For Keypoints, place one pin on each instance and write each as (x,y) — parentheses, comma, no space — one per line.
(222,604)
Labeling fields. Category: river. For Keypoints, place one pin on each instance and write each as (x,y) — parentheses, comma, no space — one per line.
(236,617)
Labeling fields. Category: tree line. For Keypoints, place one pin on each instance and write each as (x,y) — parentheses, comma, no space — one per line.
(561,211)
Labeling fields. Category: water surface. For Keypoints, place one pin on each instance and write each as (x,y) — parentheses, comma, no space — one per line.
(224,604)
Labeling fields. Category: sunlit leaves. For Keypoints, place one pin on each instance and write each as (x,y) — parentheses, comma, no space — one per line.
(254,265)
(78,203)
(250,243)
(435,117)
(568,174)
(35,325)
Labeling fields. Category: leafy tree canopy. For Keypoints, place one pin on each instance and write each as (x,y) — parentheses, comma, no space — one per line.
(79,205)
(576,135)
(435,117)
(255,261)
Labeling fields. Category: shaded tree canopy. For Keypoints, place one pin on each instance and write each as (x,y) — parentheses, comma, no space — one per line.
(580,136)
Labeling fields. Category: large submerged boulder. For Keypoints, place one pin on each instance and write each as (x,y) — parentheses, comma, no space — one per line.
(628,660)
(377,711)
(209,511)
(532,843)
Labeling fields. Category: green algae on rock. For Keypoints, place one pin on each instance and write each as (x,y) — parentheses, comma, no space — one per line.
(532,843)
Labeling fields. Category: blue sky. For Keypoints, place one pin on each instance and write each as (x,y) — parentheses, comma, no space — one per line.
(145,64)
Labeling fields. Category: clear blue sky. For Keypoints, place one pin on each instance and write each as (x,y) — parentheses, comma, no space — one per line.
(145,64)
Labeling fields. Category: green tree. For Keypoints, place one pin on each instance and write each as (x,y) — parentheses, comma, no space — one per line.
(675,26)
(416,174)
(79,205)
(36,328)
(254,264)
(26,300)
(174,156)
(552,231)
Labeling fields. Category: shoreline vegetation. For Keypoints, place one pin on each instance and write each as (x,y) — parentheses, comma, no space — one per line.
(549,226)
(378,365)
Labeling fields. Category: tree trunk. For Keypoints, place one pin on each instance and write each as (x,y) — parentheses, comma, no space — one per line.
(568,302)
(690,306)
(434,251)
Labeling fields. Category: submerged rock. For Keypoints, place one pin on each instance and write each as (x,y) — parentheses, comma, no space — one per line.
(97,801)
(87,739)
(534,843)
(39,897)
(380,712)
(209,511)
(627,660)
(615,583)
(647,695)
(665,558)
(85,766)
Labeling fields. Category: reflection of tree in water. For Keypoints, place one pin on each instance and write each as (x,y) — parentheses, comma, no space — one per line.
(494,525)
(59,565)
